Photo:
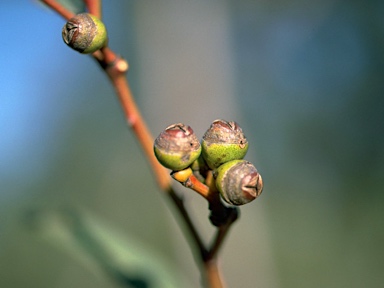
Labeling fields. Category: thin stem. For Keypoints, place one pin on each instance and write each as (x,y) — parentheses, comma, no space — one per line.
(56,6)
(94,7)
(109,57)
(138,126)
(221,234)
(197,186)
(213,195)
(230,215)
(179,203)
(212,274)
(221,216)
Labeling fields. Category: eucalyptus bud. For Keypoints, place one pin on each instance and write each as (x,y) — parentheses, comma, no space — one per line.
(177,147)
(222,142)
(238,182)
(85,33)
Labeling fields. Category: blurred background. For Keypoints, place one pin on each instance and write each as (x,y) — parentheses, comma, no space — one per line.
(78,205)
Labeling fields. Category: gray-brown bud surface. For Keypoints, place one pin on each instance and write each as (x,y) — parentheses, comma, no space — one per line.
(238,182)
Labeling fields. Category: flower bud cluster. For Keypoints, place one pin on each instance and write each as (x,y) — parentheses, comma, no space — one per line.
(221,151)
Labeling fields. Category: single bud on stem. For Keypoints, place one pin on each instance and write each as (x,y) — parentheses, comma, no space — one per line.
(177,147)
(238,182)
(222,142)
(85,33)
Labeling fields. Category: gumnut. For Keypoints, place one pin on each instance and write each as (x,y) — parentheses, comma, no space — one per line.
(85,33)
(238,182)
(222,142)
(177,147)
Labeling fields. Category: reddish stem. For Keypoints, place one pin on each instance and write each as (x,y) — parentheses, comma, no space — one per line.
(109,57)
(213,274)
(195,184)
(94,7)
(137,124)
(56,6)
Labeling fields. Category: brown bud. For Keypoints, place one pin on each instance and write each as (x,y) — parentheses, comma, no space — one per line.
(238,182)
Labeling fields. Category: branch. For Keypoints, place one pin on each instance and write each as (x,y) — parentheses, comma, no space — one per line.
(221,216)
(221,233)
(213,274)
(135,120)
(179,203)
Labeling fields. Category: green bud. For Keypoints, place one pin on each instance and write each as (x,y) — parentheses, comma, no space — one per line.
(177,147)
(85,33)
(222,142)
(238,182)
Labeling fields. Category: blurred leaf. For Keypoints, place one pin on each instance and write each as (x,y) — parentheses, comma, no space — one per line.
(95,244)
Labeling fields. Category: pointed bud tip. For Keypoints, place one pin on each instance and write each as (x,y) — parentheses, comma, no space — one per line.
(252,185)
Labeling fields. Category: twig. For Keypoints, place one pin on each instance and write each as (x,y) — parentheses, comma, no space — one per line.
(116,67)
(194,184)
(179,203)
(134,119)
(221,233)
(221,216)
(56,6)
(213,274)
(137,124)
(231,214)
